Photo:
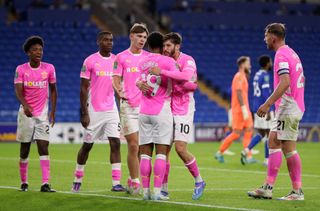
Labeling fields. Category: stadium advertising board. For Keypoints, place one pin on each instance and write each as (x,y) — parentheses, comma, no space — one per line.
(216,132)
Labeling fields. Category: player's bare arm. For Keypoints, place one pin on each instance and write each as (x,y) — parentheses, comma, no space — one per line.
(277,93)
(116,83)
(84,91)
(18,88)
(243,107)
(53,100)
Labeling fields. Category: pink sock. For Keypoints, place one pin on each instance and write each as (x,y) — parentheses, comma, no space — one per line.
(166,175)
(275,160)
(193,168)
(79,173)
(45,168)
(145,170)
(24,170)
(159,170)
(116,173)
(294,167)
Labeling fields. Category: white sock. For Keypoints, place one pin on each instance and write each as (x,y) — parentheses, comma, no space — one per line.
(198,178)
(164,187)
(146,191)
(156,191)
(136,180)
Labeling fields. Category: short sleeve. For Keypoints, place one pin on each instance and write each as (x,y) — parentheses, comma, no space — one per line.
(238,82)
(18,77)
(52,75)
(86,70)
(117,67)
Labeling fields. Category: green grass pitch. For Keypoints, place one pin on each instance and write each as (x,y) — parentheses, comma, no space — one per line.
(226,189)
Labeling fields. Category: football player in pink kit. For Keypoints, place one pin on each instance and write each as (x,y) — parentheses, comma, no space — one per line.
(183,107)
(32,82)
(99,113)
(125,75)
(155,119)
(288,97)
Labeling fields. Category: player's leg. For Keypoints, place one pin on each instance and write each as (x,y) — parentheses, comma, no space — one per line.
(226,143)
(164,186)
(294,168)
(289,134)
(133,160)
(24,164)
(112,131)
(41,136)
(130,125)
(43,151)
(191,163)
(159,169)
(25,129)
(237,126)
(248,131)
(266,147)
(275,161)
(146,168)
(115,160)
(82,158)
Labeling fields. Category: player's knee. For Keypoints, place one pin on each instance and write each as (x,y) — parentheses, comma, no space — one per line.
(133,148)
(236,134)
(180,149)
(114,144)
(86,147)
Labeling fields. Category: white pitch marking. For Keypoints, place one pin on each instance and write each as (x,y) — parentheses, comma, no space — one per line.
(139,199)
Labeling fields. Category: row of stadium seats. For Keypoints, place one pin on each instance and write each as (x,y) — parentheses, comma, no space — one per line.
(66,46)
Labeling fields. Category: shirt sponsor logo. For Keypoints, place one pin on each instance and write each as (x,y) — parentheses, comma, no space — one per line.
(132,70)
(103,73)
(38,84)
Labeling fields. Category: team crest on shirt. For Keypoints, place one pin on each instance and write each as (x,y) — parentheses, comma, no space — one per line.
(115,65)
(44,75)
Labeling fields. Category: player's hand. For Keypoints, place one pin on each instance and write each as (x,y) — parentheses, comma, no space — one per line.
(27,110)
(263,110)
(85,120)
(245,112)
(52,118)
(122,96)
(268,116)
(155,71)
(143,86)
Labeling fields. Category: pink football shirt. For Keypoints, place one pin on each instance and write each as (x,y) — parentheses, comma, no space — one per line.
(36,84)
(288,62)
(152,102)
(126,66)
(182,99)
(98,70)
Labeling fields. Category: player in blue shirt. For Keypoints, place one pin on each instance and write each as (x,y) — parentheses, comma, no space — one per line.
(261,92)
